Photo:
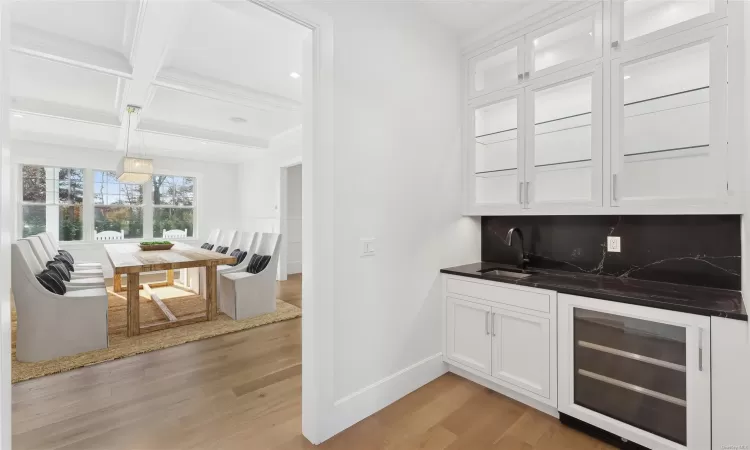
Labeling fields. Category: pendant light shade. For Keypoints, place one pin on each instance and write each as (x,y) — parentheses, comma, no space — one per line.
(130,169)
(135,170)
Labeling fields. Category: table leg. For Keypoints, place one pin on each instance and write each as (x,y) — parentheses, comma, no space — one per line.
(117,283)
(170,277)
(134,306)
(211,293)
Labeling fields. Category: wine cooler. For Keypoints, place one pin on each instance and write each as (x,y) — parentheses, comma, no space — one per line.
(640,373)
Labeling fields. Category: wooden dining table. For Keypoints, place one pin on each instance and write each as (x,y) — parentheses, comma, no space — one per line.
(131,261)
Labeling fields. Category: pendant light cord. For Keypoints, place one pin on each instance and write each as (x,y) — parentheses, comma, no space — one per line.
(127,137)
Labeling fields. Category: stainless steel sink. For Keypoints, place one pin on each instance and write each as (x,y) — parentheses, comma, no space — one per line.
(507,274)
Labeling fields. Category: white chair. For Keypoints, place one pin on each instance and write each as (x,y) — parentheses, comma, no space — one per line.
(78,272)
(41,261)
(109,236)
(243,294)
(174,234)
(213,237)
(55,245)
(51,325)
(226,239)
(247,242)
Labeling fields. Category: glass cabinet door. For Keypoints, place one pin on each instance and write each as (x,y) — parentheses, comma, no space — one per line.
(498,152)
(636,22)
(669,120)
(496,69)
(564,146)
(631,370)
(565,43)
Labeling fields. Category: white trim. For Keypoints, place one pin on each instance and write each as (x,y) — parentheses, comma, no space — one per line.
(498,387)
(6,227)
(370,399)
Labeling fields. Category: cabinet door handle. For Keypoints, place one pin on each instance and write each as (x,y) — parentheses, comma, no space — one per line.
(520,77)
(700,349)
(492,321)
(526,75)
(486,323)
(615,44)
(520,193)
(614,186)
(527,192)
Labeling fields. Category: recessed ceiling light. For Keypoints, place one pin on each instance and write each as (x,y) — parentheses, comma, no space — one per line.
(294,75)
(536,41)
(626,77)
(591,33)
(238,119)
(20,116)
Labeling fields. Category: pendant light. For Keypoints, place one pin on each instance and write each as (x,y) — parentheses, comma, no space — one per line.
(134,170)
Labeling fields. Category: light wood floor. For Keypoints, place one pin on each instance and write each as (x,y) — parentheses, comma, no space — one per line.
(242,391)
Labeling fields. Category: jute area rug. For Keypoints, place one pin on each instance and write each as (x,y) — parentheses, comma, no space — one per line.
(121,346)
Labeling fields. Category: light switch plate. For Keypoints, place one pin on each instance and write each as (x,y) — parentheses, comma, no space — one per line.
(613,244)
(368,247)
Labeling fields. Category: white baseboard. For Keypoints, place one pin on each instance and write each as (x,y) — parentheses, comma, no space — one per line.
(294,267)
(536,404)
(371,399)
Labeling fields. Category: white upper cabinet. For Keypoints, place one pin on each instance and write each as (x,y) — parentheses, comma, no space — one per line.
(565,43)
(615,107)
(636,22)
(497,69)
(564,147)
(669,136)
(497,159)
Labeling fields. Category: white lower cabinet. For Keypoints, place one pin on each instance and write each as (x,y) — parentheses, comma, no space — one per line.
(468,334)
(520,350)
(489,333)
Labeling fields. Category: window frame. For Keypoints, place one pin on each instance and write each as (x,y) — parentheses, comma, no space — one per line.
(95,205)
(192,207)
(21,203)
(89,208)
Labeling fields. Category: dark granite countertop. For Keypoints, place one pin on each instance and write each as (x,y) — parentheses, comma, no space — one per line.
(675,297)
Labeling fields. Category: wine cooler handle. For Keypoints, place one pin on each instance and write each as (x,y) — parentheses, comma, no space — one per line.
(700,349)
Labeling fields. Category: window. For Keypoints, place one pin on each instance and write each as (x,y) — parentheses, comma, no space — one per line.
(117,206)
(89,205)
(52,200)
(173,204)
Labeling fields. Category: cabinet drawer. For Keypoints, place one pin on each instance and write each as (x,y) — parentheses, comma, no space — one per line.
(520,298)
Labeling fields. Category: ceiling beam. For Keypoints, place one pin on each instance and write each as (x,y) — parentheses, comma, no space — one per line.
(156,25)
(23,105)
(170,129)
(42,44)
(184,81)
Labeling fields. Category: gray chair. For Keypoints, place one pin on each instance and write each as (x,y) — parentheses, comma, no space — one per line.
(243,294)
(84,271)
(51,325)
(56,247)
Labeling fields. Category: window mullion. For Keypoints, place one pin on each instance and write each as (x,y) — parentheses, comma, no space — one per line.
(88,205)
(148,210)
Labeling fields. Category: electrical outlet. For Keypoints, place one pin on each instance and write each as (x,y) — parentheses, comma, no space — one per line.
(368,247)
(613,244)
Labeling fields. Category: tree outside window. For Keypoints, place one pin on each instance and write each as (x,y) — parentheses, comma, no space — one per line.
(52,200)
(173,204)
(117,206)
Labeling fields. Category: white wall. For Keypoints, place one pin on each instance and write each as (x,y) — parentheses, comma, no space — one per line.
(294,220)
(397,178)
(217,187)
(259,196)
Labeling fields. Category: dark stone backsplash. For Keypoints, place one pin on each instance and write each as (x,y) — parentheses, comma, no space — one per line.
(696,250)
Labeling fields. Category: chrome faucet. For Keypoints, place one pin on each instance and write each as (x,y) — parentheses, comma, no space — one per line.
(521,260)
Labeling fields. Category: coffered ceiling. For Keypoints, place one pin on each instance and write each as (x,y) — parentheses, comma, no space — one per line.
(212,77)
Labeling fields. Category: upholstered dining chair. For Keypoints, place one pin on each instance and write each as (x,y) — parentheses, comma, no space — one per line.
(52,325)
(56,247)
(35,242)
(84,271)
(245,294)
